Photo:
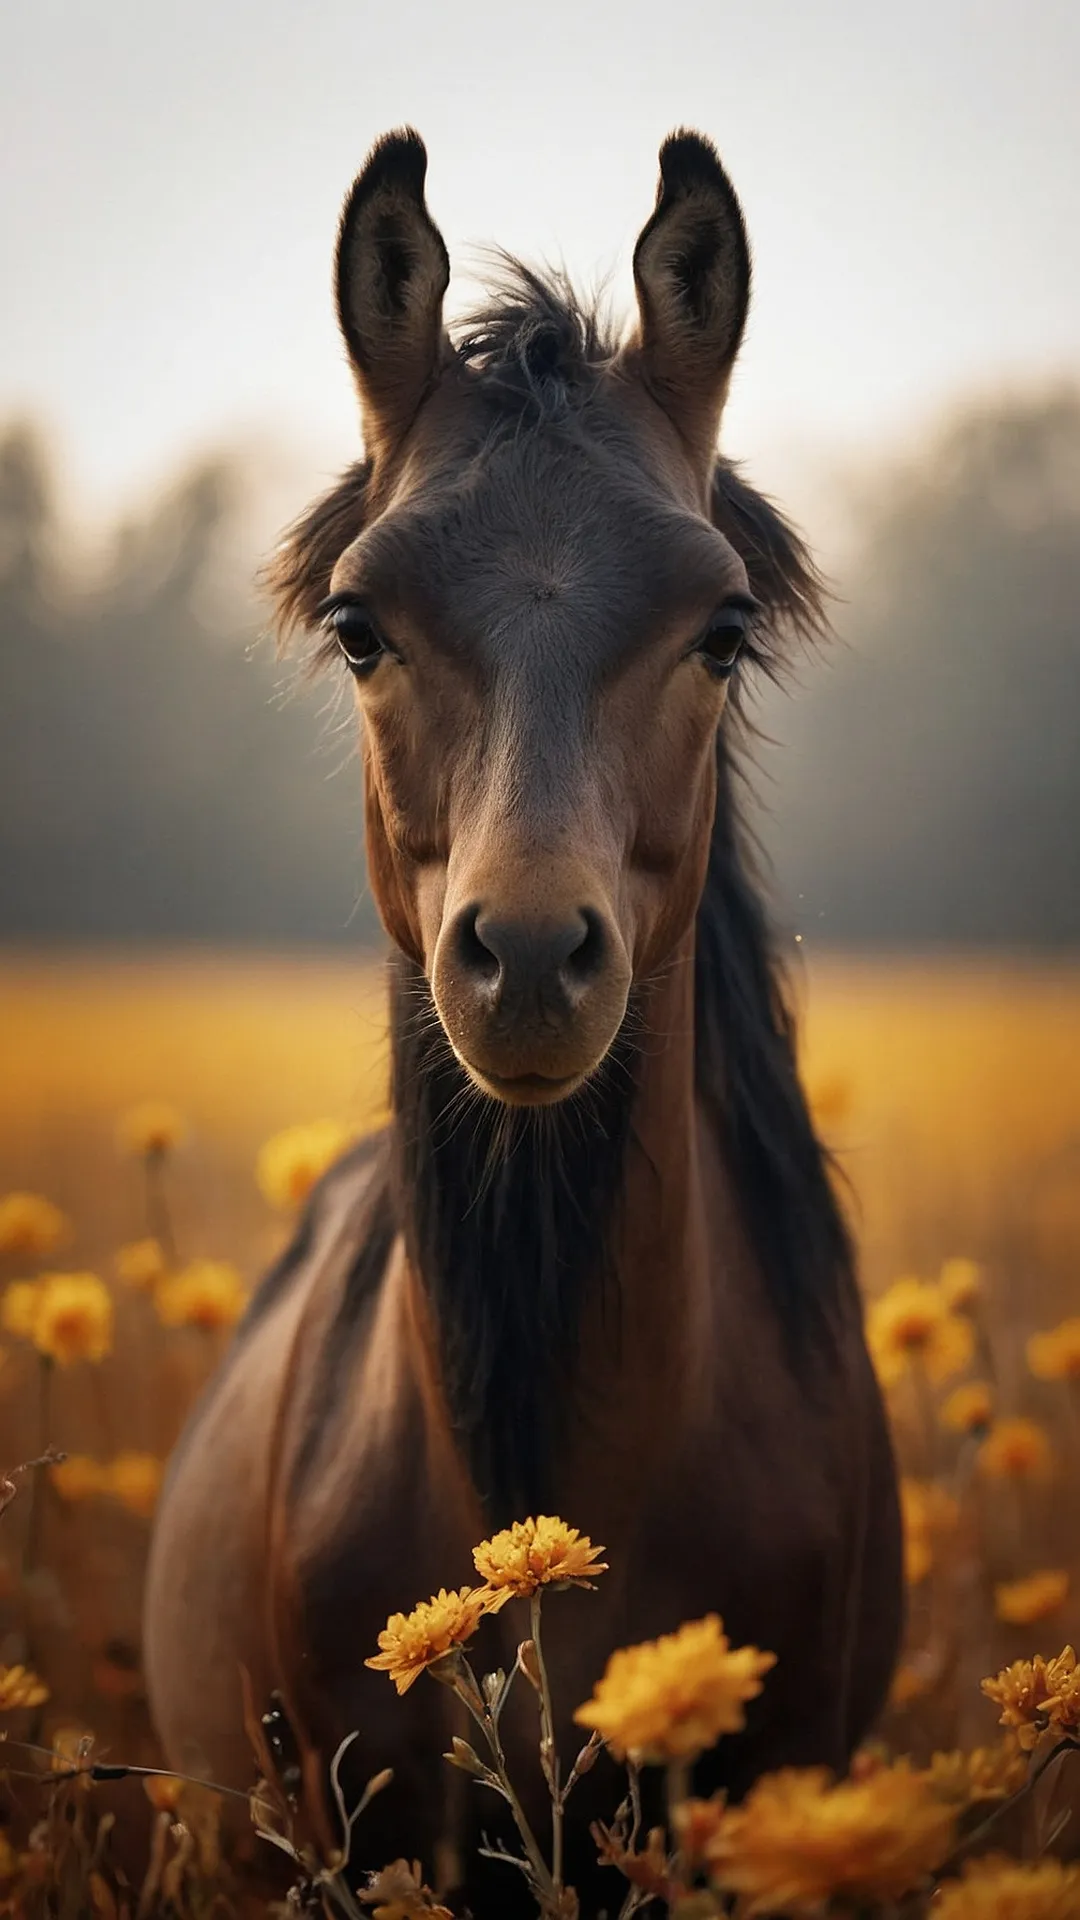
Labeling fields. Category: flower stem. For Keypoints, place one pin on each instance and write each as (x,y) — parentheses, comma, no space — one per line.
(34,1517)
(926,1420)
(485,1720)
(678,1791)
(548,1755)
(158,1212)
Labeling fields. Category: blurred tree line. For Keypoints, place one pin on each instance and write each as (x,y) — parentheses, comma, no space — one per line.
(929,788)
(161,779)
(162,776)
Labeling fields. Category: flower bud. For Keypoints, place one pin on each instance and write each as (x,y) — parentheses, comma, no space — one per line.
(529,1664)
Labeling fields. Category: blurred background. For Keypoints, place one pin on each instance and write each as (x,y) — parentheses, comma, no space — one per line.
(183,912)
(173,389)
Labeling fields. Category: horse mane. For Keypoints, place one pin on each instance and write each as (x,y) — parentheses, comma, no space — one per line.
(506,1216)
(745,1027)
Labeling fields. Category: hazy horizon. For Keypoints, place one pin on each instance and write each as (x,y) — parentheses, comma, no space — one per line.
(911,183)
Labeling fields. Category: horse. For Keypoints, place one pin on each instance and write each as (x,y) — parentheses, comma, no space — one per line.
(596,1264)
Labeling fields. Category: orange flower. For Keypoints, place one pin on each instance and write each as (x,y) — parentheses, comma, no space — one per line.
(29,1225)
(1016,1450)
(135,1480)
(409,1642)
(909,1683)
(1056,1355)
(163,1791)
(205,1293)
(150,1130)
(831,1099)
(71,1747)
(78,1477)
(141,1264)
(73,1318)
(399,1894)
(927,1511)
(799,1838)
(290,1163)
(961,1283)
(994,1888)
(670,1698)
(912,1323)
(1019,1603)
(987,1773)
(18,1308)
(20,1687)
(1035,1694)
(697,1824)
(969,1409)
(532,1554)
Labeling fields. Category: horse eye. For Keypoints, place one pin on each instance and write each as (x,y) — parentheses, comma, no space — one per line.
(722,641)
(358,637)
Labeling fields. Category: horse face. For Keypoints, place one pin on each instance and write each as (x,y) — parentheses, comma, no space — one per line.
(541,621)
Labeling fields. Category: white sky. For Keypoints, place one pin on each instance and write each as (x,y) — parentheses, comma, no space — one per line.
(172,171)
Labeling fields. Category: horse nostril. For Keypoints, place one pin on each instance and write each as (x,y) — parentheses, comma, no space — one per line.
(585,960)
(474,956)
(516,960)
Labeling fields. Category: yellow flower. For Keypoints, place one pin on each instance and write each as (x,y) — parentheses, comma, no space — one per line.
(401,1895)
(206,1293)
(71,1747)
(163,1790)
(409,1642)
(1056,1355)
(18,1308)
(926,1511)
(831,1099)
(29,1225)
(141,1264)
(669,1698)
(531,1554)
(994,1888)
(909,1683)
(961,1283)
(73,1319)
(918,1553)
(1016,1450)
(290,1163)
(1019,1603)
(78,1477)
(150,1130)
(987,1773)
(912,1322)
(20,1687)
(696,1824)
(968,1409)
(135,1480)
(800,1837)
(1035,1694)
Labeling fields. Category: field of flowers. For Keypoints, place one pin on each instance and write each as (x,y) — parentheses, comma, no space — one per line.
(160,1122)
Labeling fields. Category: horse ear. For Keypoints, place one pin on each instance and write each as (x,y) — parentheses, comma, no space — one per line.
(692,273)
(391,274)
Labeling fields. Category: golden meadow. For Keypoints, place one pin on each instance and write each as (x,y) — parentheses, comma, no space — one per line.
(951,1093)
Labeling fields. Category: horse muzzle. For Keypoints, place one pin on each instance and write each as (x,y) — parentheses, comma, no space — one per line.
(530,1005)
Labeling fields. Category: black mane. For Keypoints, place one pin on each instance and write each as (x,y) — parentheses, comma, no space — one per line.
(507,1216)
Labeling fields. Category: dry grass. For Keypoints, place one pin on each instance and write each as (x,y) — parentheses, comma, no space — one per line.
(951,1092)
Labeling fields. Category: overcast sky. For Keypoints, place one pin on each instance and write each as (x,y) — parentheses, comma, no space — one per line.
(172,175)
